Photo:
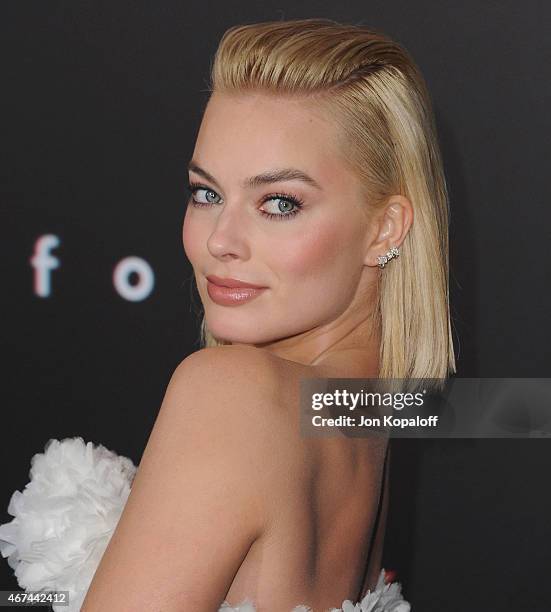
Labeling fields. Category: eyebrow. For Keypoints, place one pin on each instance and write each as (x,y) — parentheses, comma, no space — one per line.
(270,176)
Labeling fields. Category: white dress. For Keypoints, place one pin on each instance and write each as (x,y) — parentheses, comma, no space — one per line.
(66,514)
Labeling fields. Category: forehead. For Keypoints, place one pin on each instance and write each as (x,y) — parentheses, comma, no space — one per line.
(244,134)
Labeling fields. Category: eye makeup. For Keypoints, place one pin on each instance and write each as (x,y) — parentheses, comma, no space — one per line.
(285,197)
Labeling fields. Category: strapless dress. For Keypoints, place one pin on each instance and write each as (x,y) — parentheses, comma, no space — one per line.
(66,514)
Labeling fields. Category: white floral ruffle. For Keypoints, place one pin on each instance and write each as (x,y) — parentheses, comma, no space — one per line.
(385,598)
(65,516)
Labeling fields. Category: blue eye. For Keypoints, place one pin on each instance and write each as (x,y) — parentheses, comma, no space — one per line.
(194,188)
(289,205)
(284,201)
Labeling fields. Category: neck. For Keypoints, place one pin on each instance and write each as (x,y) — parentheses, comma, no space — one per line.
(353,336)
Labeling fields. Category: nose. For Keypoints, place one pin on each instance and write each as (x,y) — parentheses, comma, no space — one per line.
(228,238)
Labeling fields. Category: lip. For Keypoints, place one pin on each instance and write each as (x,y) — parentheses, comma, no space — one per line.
(234,283)
(232,296)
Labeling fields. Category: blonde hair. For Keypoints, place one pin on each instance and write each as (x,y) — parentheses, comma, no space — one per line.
(377,96)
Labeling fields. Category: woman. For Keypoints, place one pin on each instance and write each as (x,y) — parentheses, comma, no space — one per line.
(329,128)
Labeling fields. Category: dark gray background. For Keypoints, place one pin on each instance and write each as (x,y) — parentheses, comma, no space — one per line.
(100,105)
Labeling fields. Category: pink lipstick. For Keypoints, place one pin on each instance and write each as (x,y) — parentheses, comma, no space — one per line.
(231,291)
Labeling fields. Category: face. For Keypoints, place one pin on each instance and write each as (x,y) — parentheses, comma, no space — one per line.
(303,240)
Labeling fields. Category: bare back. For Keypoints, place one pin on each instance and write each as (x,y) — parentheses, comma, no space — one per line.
(322,510)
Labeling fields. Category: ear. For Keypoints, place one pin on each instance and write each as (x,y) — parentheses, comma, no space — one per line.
(392,225)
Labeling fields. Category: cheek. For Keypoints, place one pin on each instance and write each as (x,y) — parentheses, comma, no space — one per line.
(318,258)
(191,237)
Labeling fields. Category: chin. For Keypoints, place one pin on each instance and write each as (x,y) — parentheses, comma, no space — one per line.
(246,333)
(236,338)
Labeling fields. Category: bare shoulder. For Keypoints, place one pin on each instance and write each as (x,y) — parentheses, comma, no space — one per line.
(231,375)
(198,488)
(239,360)
(243,393)
(233,390)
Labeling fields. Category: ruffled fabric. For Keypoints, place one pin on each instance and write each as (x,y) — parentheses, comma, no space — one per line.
(67,513)
(385,598)
(65,517)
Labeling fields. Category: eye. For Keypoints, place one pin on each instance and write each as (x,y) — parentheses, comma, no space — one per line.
(209,195)
(288,206)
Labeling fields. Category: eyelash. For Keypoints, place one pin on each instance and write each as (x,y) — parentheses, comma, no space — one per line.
(294,199)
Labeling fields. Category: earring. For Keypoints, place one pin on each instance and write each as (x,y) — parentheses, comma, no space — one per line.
(382,259)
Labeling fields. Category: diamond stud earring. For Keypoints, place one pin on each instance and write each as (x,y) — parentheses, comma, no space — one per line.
(382,259)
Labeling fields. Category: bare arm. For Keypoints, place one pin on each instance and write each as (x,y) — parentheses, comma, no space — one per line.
(195,507)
